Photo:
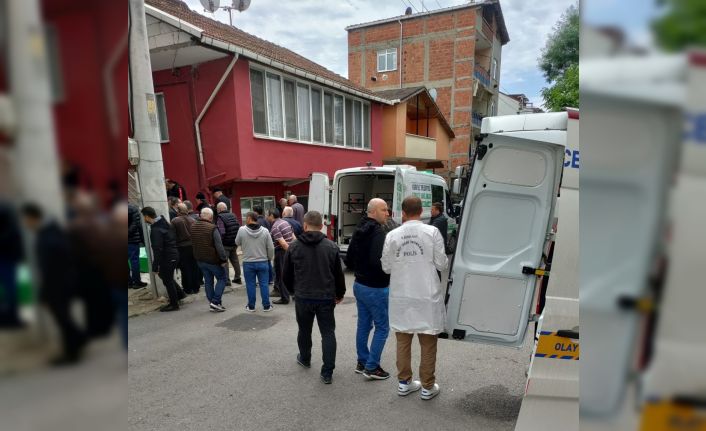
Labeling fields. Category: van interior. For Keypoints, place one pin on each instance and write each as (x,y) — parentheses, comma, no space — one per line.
(354,192)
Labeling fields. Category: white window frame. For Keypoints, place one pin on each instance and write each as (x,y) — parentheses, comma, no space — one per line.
(250,198)
(161,107)
(494,71)
(322,89)
(385,53)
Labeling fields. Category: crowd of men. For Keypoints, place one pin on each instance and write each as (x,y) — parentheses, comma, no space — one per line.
(397,274)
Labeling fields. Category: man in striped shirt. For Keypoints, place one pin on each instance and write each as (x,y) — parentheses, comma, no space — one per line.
(282,236)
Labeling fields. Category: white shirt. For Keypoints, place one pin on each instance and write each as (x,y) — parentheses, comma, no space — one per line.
(411,255)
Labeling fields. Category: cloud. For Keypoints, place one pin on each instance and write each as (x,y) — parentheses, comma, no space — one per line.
(316,29)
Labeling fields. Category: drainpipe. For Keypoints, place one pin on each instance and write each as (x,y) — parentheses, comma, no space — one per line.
(203,112)
(400,22)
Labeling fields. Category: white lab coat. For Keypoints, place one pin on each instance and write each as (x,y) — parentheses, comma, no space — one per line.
(411,255)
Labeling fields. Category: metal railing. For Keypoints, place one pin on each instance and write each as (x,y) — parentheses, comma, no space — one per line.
(482,75)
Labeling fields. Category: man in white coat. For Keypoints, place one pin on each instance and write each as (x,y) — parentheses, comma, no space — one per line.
(411,255)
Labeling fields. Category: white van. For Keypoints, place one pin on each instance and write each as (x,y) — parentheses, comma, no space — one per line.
(507,220)
(344,202)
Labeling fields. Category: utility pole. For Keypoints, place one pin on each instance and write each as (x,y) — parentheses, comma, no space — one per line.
(150,169)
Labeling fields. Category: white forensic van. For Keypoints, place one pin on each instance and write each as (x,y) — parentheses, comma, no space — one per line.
(344,202)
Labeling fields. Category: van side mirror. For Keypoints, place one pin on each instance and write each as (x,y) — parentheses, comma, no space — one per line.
(458,172)
(456,187)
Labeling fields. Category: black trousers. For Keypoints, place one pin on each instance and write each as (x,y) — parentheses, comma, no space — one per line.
(279,270)
(166,273)
(327,327)
(189,269)
(72,338)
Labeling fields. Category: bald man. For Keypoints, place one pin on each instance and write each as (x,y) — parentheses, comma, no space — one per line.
(371,289)
(298,209)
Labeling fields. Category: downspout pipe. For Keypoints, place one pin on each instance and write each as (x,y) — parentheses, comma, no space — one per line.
(400,22)
(197,123)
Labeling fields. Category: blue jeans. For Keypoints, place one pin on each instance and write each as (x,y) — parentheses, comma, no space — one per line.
(209,272)
(372,303)
(133,255)
(8,293)
(261,271)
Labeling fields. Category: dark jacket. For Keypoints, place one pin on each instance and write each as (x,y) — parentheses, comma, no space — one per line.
(134,230)
(177,191)
(312,268)
(262,221)
(231,226)
(10,235)
(172,214)
(55,262)
(222,198)
(163,241)
(182,228)
(364,253)
(441,223)
(296,226)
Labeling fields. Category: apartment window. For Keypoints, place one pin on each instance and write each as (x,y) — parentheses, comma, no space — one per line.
(162,117)
(274,105)
(494,70)
(492,108)
(259,108)
(316,117)
(304,108)
(284,107)
(387,60)
(247,204)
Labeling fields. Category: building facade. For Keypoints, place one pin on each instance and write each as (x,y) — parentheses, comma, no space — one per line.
(455,52)
(249,116)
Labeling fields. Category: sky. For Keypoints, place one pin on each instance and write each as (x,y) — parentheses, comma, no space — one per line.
(316,29)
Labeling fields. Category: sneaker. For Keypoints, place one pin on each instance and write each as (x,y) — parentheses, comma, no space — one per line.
(359,368)
(237,281)
(376,374)
(274,294)
(406,387)
(302,363)
(326,379)
(169,308)
(281,301)
(217,307)
(268,309)
(251,310)
(428,394)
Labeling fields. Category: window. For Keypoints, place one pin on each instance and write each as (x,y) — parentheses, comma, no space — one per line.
(247,204)
(304,108)
(162,118)
(274,105)
(492,109)
(437,194)
(259,111)
(290,109)
(387,60)
(285,107)
(328,117)
(317,125)
(494,70)
(338,119)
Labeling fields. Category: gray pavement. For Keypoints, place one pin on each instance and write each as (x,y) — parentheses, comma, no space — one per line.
(196,370)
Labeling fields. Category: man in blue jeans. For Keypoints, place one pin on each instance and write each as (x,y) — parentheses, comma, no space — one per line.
(256,243)
(210,256)
(371,289)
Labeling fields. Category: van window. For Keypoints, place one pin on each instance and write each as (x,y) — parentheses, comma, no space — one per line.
(437,194)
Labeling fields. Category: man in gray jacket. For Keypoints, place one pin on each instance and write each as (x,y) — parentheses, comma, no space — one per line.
(258,249)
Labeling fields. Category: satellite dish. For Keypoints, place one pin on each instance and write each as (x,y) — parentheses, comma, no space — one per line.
(241,5)
(432,93)
(211,5)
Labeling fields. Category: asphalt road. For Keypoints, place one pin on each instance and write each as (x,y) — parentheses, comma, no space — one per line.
(196,370)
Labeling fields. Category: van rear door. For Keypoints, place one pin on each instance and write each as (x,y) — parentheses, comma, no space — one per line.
(398,195)
(508,211)
(319,197)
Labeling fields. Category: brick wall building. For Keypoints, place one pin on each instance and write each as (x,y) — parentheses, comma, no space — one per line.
(455,52)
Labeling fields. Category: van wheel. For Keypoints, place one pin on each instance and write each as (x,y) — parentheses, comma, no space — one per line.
(451,246)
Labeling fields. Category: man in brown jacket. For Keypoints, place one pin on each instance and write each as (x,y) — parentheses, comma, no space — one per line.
(210,256)
(187,263)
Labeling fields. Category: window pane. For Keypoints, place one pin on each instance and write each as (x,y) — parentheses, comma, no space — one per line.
(304,113)
(393,64)
(357,124)
(162,118)
(290,109)
(366,125)
(316,113)
(259,112)
(437,194)
(349,123)
(381,61)
(245,207)
(328,117)
(274,105)
(338,118)
(269,203)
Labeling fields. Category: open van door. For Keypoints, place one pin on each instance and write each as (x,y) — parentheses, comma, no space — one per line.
(508,212)
(319,197)
(398,195)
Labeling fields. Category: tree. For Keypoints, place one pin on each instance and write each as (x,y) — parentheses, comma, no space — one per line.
(682,25)
(559,62)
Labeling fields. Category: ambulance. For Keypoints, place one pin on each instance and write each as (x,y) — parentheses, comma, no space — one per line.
(344,201)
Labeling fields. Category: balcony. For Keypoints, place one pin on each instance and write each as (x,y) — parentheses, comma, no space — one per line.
(484,34)
(419,147)
(483,76)
(477,119)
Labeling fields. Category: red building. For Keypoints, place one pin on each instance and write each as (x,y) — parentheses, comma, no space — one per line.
(250,116)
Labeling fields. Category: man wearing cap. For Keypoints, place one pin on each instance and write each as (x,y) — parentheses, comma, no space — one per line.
(201,202)
(220,197)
